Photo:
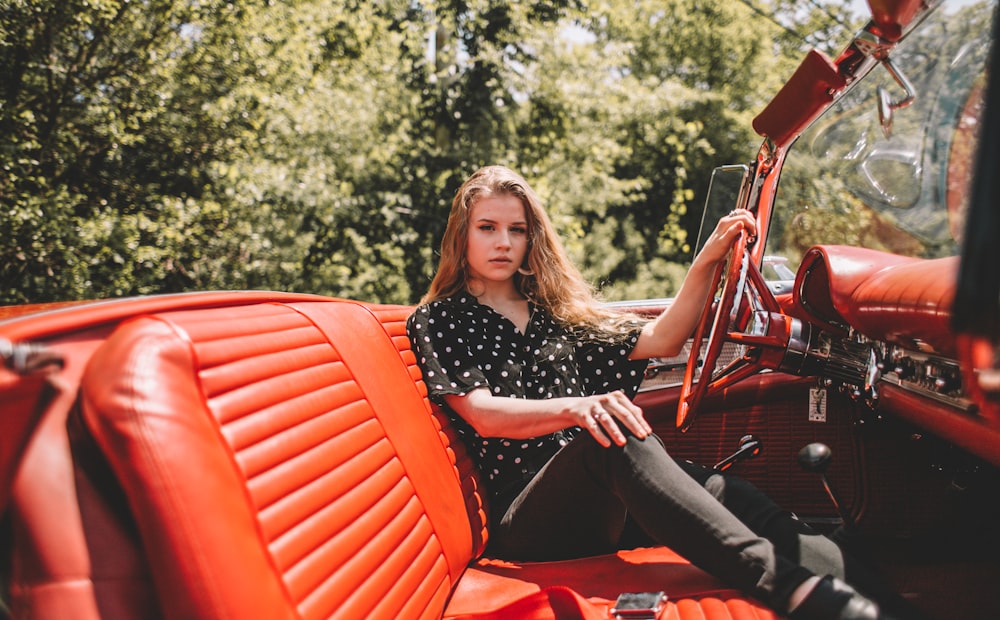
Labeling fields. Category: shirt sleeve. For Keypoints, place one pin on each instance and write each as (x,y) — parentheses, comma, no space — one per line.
(445,360)
(605,365)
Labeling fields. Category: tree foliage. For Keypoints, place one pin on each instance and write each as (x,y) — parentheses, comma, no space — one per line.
(315,145)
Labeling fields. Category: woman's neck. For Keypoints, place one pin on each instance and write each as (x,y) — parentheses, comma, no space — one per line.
(505,300)
(495,294)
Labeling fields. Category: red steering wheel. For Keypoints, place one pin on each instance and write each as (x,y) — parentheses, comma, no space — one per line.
(747,314)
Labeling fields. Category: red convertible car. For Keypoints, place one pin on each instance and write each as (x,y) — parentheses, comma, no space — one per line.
(274,455)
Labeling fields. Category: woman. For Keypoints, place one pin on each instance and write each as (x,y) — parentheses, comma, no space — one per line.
(538,378)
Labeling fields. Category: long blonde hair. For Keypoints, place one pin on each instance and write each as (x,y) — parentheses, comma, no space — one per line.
(553,282)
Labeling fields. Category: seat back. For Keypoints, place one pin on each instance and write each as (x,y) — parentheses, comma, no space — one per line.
(393,319)
(278,461)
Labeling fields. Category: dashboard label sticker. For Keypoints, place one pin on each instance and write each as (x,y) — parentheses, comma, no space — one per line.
(817,405)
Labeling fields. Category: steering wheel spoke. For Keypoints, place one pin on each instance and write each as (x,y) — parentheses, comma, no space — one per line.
(733,373)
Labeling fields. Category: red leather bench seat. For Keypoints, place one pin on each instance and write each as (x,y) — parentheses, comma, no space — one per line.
(281,460)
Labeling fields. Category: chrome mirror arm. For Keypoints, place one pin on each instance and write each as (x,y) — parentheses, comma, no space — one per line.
(886,106)
(874,47)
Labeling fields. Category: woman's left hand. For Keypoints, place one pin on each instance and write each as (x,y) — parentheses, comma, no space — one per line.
(722,238)
(665,336)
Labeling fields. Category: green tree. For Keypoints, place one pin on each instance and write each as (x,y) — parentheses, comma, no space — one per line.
(108,139)
(315,145)
(660,95)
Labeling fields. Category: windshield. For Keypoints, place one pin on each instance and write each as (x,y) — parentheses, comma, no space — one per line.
(845,181)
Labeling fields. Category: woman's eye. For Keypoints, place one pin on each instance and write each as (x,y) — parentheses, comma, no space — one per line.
(519,230)
(486,227)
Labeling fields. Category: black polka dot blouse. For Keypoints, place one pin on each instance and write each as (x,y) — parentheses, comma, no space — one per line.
(462,345)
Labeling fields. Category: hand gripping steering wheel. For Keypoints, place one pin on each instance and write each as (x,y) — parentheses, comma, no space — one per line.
(753,320)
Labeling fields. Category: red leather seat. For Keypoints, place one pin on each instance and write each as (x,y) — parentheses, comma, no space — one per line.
(282,460)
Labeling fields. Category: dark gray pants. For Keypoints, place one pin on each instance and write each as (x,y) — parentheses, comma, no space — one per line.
(588,498)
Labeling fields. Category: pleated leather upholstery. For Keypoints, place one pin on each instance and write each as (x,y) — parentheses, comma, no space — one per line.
(234,425)
(281,460)
(393,319)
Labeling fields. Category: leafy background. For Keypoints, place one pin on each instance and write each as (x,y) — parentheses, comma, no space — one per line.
(315,145)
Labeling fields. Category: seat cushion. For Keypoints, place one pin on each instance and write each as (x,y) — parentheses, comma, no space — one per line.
(491,585)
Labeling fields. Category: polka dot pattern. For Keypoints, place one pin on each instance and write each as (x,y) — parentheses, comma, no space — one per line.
(462,345)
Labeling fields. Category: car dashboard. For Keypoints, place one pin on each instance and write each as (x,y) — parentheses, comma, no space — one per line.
(902,307)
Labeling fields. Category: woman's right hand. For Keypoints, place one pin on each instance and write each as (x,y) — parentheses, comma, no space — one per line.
(602,415)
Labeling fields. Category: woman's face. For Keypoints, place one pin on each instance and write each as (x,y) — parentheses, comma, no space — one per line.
(498,238)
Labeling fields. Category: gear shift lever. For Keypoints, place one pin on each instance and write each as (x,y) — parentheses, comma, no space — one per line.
(815,458)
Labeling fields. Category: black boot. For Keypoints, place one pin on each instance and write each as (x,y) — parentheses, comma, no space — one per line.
(832,599)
